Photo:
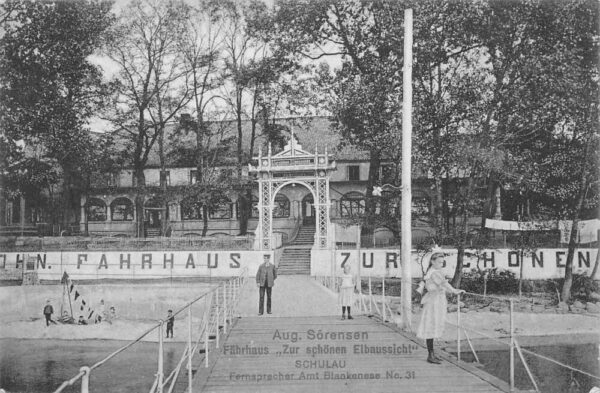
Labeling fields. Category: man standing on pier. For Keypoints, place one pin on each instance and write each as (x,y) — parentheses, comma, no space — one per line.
(265,278)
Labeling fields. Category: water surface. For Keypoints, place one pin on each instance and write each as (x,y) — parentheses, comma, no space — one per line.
(40,366)
(551,378)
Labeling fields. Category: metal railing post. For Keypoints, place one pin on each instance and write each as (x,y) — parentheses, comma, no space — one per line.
(85,379)
(512,348)
(217,324)
(458,326)
(190,350)
(224,308)
(370,297)
(383,298)
(160,373)
(230,297)
(206,329)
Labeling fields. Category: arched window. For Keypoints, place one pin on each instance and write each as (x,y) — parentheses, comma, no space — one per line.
(154,203)
(254,213)
(352,204)
(96,210)
(121,210)
(191,209)
(281,206)
(421,205)
(221,211)
(387,204)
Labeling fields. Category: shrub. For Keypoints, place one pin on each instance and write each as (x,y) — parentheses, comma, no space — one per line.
(583,286)
(499,281)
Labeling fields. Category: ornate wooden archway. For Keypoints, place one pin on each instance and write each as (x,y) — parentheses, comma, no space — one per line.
(293,165)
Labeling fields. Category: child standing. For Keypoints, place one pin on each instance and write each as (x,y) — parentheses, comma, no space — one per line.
(170,322)
(48,311)
(347,292)
(434,311)
(101,311)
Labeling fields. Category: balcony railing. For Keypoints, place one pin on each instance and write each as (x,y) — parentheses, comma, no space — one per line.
(125,244)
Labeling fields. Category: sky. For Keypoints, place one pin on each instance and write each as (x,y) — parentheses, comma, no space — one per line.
(111,68)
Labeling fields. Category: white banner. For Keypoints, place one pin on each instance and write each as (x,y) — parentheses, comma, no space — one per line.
(542,264)
(588,229)
(135,264)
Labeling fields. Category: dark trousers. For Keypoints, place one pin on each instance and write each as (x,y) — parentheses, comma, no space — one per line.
(169,329)
(49,319)
(261,300)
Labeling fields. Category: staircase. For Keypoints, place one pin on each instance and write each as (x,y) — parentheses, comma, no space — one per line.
(295,260)
(296,257)
(306,235)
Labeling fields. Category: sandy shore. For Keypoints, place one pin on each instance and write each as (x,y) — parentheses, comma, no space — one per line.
(140,306)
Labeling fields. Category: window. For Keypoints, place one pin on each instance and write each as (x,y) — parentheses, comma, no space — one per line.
(121,210)
(387,204)
(352,204)
(112,180)
(221,211)
(353,172)
(96,210)
(281,207)
(191,209)
(40,215)
(193,176)
(421,206)
(165,178)
(254,213)
(386,173)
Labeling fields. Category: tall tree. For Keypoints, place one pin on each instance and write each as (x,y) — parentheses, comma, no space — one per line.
(566,174)
(251,71)
(145,47)
(48,86)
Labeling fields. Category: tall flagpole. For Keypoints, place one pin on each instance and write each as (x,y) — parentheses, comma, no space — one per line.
(406,230)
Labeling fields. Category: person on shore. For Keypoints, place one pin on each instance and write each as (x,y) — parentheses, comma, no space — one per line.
(346,295)
(101,311)
(112,315)
(265,279)
(434,305)
(81,321)
(48,311)
(170,323)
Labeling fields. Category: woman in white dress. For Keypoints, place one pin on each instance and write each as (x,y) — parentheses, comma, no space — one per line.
(347,291)
(434,305)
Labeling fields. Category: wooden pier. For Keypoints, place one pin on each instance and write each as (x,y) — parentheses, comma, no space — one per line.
(327,354)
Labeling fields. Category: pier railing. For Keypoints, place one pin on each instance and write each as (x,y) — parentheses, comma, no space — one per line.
(367,302)
(219,308)
(381,305)
(510,339)
(73,243)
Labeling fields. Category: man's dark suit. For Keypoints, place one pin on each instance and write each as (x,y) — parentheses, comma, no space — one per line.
(265,279)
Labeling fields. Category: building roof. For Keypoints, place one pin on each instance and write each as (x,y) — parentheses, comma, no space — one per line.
(312,133)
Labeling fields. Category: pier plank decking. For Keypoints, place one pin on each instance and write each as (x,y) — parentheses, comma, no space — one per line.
(407,370)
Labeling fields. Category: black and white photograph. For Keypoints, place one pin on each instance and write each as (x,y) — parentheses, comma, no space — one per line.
(299,196)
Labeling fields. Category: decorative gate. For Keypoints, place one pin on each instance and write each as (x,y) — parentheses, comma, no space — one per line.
(293,166)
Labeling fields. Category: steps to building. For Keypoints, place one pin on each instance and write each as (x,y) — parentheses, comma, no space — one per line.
(306,235)
(296,257)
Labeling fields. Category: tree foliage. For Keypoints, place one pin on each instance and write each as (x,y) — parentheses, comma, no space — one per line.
(49,89)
